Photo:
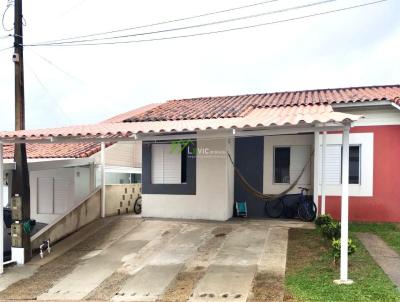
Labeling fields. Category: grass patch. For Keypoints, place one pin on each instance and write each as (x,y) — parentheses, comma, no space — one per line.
(389,232)
(310,272)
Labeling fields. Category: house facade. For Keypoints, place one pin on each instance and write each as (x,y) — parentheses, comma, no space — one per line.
(341,144)
(271,163)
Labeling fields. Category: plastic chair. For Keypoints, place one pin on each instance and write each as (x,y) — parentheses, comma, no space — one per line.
(241,209)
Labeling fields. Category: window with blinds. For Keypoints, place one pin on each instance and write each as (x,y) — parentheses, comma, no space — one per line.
(333,164)
(166,164)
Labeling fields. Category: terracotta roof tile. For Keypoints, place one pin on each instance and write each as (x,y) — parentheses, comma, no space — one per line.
(238,106)
(259,117)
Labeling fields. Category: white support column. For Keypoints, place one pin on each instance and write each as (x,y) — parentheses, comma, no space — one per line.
(1,209)
(316,168)
(103,179)
(323,155)
(345,210)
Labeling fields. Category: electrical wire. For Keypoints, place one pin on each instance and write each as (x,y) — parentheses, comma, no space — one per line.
(9,4)
(163,22)
(47,92)
(201,25)
(46,60)
(6,36)
(4,49)
(216,31)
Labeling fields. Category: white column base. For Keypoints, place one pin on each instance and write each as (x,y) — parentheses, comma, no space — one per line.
(18,255)
(343,282)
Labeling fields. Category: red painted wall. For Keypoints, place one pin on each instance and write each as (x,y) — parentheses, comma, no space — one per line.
(384,205)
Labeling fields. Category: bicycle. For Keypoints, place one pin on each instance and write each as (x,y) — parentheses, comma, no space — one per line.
(137,207)
(302,205)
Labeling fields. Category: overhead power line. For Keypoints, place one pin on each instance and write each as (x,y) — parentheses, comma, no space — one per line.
(4,49)
(216,31)
(199,25)
(163,22)
(47,92)
(10,3)
(6,36)
(46,60)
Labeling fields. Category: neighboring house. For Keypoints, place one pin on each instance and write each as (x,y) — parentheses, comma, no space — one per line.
(62,175)
(186,172)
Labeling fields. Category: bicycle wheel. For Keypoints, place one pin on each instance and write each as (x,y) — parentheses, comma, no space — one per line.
(307,210)
(137,208)
(274,208)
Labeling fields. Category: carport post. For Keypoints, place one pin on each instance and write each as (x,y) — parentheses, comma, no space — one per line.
(316,168)
(345,210)
(323,155)
(103,180)
(1,209)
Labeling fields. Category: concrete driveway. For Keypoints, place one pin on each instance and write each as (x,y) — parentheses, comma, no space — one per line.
(130,259)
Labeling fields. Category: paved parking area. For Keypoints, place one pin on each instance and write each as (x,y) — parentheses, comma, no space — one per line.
(132,259)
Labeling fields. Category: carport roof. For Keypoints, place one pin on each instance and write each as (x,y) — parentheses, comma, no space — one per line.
(257,118)
(76,150)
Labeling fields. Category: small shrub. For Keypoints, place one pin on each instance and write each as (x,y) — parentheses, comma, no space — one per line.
(323,219)
(351,248)
(331,230)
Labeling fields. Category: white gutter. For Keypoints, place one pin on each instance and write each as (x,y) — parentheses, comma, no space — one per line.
(52,164)
(396,106)
(362,104)
(211,134)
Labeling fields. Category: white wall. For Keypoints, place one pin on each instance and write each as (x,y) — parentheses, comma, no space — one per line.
(269,187)
(214,188)
(78,185)
(374,115)
(63,173)
(123,154)
(81,183)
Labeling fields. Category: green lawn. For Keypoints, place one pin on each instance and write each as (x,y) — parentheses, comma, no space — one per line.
(389,232)
(310,273)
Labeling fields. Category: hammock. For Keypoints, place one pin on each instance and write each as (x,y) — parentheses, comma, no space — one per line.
(266,197)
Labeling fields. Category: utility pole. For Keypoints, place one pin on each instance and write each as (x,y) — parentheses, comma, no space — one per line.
(20,183)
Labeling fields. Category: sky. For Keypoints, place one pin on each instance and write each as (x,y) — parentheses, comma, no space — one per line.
(88,84)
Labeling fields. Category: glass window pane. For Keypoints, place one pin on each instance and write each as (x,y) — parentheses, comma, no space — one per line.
(282,165)
(354,165)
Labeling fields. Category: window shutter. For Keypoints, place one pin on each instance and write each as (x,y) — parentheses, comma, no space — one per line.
(165,164)
(157,166)
(172,165)
(45,195)
(333,163)
(62,189)
(299,156)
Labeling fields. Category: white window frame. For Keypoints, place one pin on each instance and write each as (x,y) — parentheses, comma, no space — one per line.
(270,142)
(273,166)
(359,163)
(365,186)
(165,148)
